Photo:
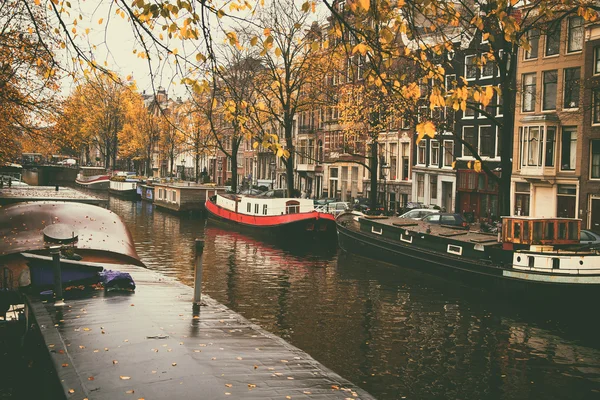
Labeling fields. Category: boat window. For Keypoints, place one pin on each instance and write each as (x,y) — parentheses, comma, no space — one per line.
(556,263)
(562,230)
(452,249)
(249,207)
(537,231)
(517,230)
(406,238)
(264,209)
(174,196)
(292,207)
(509,230)
(549,231)
(531,261)
(256,208)
(377,231)
(526,231)
(573,230)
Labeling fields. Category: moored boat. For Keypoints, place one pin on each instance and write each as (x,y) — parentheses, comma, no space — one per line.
(283,217)
(530,252)
(90,234)
(124,185)
(94,178)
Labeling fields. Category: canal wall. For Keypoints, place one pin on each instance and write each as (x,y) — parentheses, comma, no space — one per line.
(151,343)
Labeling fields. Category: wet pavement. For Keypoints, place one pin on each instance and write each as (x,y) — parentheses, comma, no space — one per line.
(149,344)
(18,194)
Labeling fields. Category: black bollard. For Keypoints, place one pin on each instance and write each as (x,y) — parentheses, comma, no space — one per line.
(198,275)
(58,292)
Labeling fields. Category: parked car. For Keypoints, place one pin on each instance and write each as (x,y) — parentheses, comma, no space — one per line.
(419,213)
(324,201)
(335,208)
(363,205)
(446,219)
(589,237)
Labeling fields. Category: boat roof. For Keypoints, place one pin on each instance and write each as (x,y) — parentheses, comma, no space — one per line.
(233,196)
(417,226)
(527,218)
(98,229)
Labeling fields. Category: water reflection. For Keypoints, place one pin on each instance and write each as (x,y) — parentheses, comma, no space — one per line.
(397,333)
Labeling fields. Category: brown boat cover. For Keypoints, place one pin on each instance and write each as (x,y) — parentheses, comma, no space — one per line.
(98,230)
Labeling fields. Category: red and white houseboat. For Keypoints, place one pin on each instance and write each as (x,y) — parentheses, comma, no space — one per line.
(270,215)
(94,178)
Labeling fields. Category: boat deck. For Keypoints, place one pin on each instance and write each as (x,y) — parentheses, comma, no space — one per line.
(456,233)
(150,345)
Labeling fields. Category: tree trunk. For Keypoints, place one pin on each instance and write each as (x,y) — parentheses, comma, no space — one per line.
(374,166)
(289,166)
(235,144)
(507,132)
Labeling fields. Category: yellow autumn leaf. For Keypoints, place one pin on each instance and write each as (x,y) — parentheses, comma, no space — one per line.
(426,128)
(277,52)
(453,164)
(253,41)
(477,166)
(365,4)
(100,21)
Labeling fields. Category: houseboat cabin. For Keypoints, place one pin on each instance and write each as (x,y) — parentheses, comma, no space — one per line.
(533,231)
(264,206)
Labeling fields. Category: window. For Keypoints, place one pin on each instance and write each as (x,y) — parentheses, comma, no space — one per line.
(448,153)
(450,83)
(568,149)
(550,146)
(433,186)
(533,37)
(553,39)
(596,106)
(571,92)
(522,198)
(487,141)
(528,92)
(534,148)
(249,207)
(470,137)
(596,60)
(435,153)
(452,249)
(487,70)
(575,39)
(264,209)
(550,82)
(595,159)
(470,68)
(256,208)
(421,152)
(420,186)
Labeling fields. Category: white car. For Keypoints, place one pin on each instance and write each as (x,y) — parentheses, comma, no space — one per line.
(334,208)
(419,213)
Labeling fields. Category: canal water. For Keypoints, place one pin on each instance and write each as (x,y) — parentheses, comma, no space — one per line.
(395,332)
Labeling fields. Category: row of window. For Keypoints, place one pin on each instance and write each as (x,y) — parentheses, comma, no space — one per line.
(163,194)
(537,146)
(552,39)
(435,147)
(570,95)
(256,208)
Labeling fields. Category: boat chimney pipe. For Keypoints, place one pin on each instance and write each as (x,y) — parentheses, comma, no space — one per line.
(198,276)
(58,292)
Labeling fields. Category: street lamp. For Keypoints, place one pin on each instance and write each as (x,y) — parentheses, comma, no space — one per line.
(384,171)
(272,165)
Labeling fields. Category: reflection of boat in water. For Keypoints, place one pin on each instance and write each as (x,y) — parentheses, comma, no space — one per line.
(534,253)
(95,234)
(286,218)
(94,178)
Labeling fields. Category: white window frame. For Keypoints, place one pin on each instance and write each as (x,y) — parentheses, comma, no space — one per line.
(423,142)
(466,65)
(431,147)
(495,141)
(569,35)
(444,159)
(454,249)
(463,138)
(481,76)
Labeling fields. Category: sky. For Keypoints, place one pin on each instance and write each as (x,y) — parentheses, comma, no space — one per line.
(115,43)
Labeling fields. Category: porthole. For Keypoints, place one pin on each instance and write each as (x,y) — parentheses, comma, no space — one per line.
(518,258)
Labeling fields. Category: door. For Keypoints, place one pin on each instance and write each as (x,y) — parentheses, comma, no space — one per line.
(447,196)
(595,222)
